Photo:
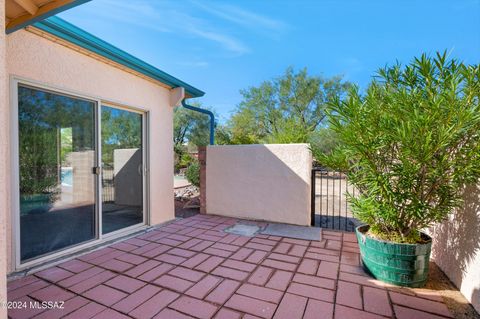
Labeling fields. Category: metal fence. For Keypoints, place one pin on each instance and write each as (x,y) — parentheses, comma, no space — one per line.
(108,186)
(330,208)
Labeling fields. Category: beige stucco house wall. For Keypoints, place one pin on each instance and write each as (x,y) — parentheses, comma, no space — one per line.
(268,182)
(40,60)
(4,146)
(456,246)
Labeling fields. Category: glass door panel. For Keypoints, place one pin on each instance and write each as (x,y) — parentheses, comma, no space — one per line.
(56,155)
(122,168)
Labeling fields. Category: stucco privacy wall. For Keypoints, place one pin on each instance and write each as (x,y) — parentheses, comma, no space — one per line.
(265,182)
(33,57)
(456,247)
(4,146)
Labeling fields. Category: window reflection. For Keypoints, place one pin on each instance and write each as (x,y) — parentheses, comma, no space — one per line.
(122,177)
(56,156)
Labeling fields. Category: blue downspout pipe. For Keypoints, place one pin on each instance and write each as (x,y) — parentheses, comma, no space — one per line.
(207,112)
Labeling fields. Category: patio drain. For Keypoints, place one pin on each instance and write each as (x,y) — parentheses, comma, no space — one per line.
(293,231)
(243,230)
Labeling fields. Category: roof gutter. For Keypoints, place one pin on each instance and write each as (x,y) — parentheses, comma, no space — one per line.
(207,112)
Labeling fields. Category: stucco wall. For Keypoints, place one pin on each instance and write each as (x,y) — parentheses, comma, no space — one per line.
(456,246)
(33,57)
(265,182)
(4,146)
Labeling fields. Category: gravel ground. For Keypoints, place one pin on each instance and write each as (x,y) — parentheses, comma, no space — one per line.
(455,301)
(186,202)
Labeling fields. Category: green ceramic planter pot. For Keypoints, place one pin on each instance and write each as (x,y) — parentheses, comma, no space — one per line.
(393,263)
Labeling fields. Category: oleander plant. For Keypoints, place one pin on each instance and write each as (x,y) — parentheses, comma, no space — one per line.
(409,144)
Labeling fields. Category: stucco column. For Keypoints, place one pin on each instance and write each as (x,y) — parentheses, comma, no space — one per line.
(4,160)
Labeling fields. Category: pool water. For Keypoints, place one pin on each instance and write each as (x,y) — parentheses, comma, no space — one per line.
(67,176)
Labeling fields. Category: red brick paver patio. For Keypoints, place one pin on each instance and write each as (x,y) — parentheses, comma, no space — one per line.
(192,269)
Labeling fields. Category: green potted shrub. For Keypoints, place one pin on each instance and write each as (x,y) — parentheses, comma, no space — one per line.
(408,144)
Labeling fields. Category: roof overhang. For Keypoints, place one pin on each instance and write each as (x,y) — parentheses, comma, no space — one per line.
(21,13)
(71,34)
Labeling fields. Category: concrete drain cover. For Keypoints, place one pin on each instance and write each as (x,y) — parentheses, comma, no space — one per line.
(243,230)
(293,231)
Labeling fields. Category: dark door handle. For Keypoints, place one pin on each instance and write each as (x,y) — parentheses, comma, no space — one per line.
(96,170)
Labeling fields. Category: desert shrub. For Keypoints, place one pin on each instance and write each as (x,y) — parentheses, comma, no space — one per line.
(193,173)
(186,160)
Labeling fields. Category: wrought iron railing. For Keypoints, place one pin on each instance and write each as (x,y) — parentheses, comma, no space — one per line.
(108,186)
(329,206)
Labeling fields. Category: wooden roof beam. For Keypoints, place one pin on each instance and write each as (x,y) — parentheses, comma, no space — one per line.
(28,5)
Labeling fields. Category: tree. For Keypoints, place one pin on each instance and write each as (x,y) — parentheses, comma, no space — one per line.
(190,127)
(43,117)
(324,141)
(410,144)
(223,135)
(120,129)
(287,109)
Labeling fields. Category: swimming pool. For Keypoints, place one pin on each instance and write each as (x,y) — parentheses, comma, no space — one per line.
(66,176)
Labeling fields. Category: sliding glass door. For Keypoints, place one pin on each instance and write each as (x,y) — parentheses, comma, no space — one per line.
(56,155)
(81,171)
(122,168)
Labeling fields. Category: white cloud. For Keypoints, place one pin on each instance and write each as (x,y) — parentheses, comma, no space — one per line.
(226,41)
(164,16)
(242,17)
(194,64)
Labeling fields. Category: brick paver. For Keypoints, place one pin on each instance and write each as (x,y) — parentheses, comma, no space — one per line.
(291,307)
(349,294)
(134,300)
(252,306)
(203,287)
(87,311)
(308,266)
(376,301)
(315,307)
(52,293)
(54,274)
(107,296)
(153,305)
(262,293)
(220,294)
(190,268)
(195,307)
(260,276)
(280,280)
(91,282)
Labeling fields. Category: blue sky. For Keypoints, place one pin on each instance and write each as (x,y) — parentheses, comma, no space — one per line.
(224,46)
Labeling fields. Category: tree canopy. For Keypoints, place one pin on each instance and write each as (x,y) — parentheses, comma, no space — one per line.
(287,109)
(190,126)
(190,129)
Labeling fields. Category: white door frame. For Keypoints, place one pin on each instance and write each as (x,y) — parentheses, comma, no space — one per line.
(16,263)
(128,229)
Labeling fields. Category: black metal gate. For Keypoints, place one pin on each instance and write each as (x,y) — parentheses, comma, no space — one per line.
(108,184)
(329,201)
